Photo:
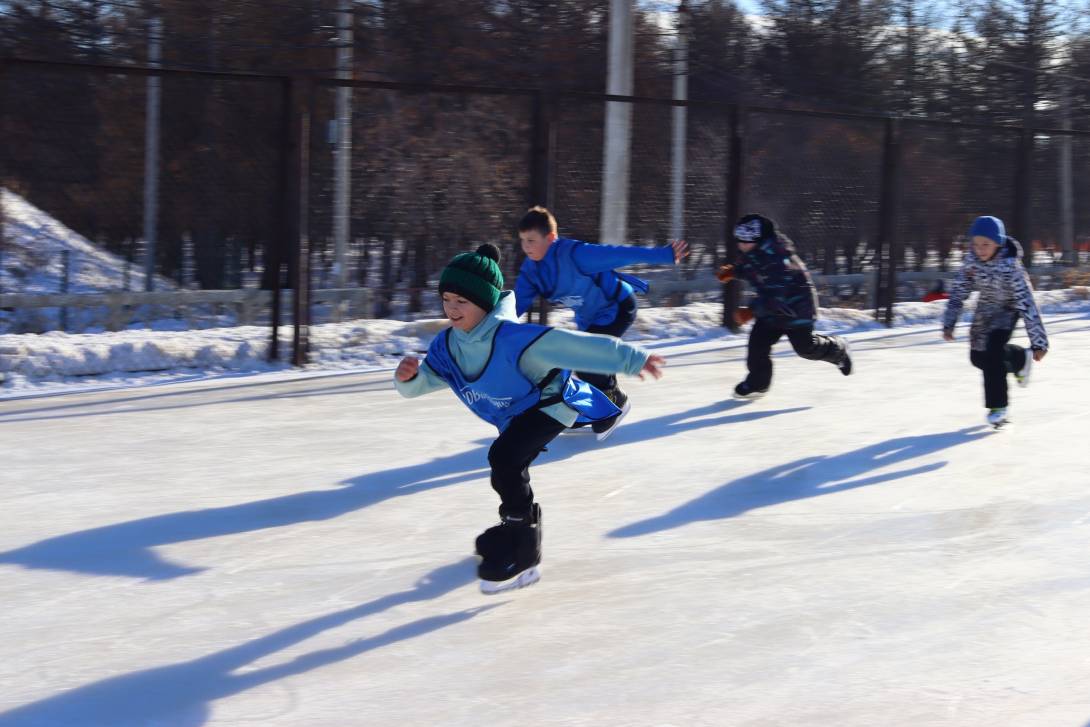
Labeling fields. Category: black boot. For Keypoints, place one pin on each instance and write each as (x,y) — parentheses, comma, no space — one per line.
(511,551)
(745,390)
(605,427)
(845,362)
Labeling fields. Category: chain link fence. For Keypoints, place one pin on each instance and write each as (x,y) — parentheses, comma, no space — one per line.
(434,170)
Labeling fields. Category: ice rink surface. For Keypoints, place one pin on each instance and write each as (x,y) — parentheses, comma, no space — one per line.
(846,551)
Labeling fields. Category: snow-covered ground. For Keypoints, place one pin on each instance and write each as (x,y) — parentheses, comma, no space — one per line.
(294,549)
(59,362)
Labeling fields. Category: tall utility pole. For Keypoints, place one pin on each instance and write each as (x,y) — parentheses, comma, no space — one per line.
(343,153)
(618,131)
(151,151)
(1067,205)
(681,93)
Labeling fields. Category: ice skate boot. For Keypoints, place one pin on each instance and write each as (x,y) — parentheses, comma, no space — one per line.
(998,417)
(607,426)
(745,391)
(1022,374)
(510,552)
(845,363)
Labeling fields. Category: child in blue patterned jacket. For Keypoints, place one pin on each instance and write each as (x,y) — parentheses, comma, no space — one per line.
(994,267)
(581,276)
(518,378)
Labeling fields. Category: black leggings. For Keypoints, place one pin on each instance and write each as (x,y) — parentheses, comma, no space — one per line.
(996,361)
(809,345)
(511,454)
(626,316)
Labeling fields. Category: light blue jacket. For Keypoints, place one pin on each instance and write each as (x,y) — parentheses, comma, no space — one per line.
(557,349)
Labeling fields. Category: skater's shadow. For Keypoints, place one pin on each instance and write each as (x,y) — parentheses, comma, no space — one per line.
(183,693)
(127,548)
(667,425)
(806,477)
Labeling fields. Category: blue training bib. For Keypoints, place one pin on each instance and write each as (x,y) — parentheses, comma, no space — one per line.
(501,391)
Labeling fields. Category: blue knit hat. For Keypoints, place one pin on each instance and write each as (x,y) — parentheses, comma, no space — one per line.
(989,227)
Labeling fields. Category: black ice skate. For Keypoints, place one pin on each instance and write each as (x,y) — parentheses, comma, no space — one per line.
(745,391)
(510,552)
(607,426)
(845,363)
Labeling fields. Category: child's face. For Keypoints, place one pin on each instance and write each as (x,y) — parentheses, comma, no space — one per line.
(746,246)
(535,244)
(463,315)
(984,247)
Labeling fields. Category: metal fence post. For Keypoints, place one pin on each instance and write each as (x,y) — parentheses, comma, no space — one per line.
(66,271)
(541,167)
(732,291)
(3,180)
(280,246)
(1023,202)
(888,251)
(3,228)
(302,101)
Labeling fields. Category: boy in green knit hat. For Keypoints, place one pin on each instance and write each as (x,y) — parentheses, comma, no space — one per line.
(518,378)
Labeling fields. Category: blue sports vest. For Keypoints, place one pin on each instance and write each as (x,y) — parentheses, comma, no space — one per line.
(501,391)
(593,298)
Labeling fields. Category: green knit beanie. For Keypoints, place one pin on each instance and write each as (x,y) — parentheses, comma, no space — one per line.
(475,276)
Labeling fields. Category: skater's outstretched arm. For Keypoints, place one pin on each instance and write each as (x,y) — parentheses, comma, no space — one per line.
(578,351)
(411,379)
(599,258)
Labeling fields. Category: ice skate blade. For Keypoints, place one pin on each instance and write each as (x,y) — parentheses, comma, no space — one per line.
(526,578)
(750,396)
(581,431)
(616,422)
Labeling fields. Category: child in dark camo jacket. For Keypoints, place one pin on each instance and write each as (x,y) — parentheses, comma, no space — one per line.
(785,305)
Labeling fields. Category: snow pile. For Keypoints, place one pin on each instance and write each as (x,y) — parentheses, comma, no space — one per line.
(34,247)
(31,361)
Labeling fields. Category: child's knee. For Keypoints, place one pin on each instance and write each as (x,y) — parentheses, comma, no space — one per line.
(500,457)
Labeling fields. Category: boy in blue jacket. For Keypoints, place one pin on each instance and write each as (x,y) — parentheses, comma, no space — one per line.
(582,277)
(518,378)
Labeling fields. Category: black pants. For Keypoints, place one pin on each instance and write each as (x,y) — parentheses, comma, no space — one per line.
(809,345)
(511,454)
(996,361)
(626,316)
